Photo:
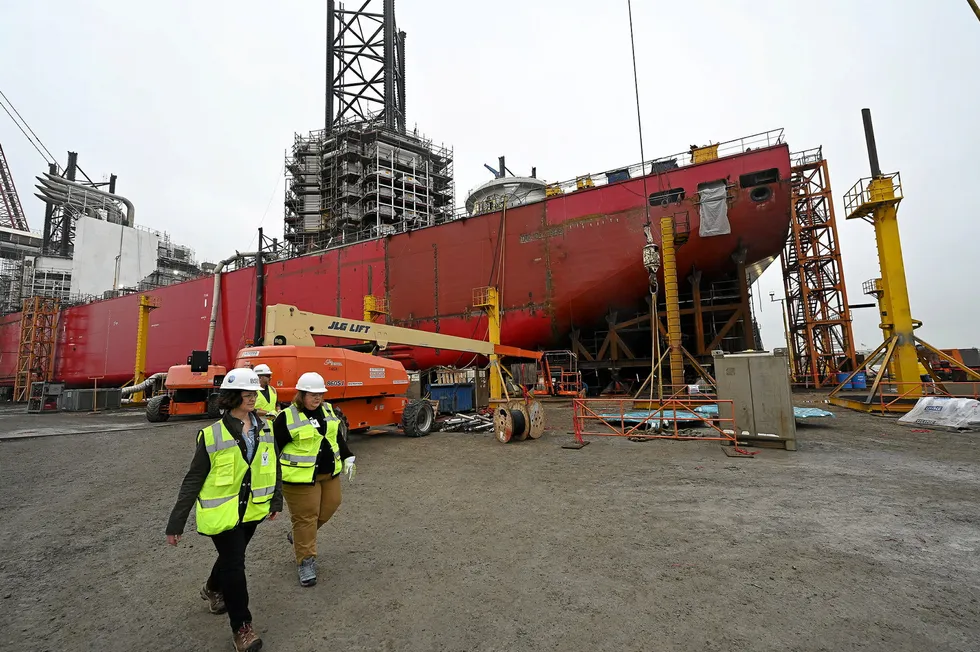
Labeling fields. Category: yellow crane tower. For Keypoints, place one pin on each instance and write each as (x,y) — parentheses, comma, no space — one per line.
(146,304)
(876,200)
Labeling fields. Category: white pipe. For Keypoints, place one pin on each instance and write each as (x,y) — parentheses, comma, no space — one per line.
(130,209)
(132,389)
(216,295)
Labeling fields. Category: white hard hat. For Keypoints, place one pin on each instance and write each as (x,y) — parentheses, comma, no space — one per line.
(241,378)
(311,382)
(263,370)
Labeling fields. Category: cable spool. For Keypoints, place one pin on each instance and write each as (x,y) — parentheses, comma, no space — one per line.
(536,413)
(522,420)
(510,423)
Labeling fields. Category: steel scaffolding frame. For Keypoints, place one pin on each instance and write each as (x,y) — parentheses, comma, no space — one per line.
(11,210)
(35,355)
(365,65)
(813,276)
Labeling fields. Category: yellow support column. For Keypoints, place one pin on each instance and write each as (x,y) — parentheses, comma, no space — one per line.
(895,307)
(669,258)
(487,299)
(374,307)
(146,304)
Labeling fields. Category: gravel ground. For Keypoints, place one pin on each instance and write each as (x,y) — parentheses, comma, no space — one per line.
(865,538)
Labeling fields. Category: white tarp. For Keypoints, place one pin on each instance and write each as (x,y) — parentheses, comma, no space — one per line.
(97,245)
(945,413)
(714,209)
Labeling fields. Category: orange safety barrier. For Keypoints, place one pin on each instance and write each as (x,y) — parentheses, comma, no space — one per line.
(620,417)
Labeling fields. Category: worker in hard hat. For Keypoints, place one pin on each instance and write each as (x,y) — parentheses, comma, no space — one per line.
(267,403)
(234,483)
(314,454)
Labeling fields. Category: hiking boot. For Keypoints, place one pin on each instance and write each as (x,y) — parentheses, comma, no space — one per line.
(307,572)
(216,601)
(246,640)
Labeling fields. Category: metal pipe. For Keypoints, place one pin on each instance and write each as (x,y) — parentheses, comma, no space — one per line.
(132,389)
(869,137)
(66,219)
(402,110)
(216,298)
(259,294)
(328,117)
(48,214)
(391,107)
(130,209)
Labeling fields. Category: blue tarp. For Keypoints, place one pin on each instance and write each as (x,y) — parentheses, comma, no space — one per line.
(798,412)
(650,418)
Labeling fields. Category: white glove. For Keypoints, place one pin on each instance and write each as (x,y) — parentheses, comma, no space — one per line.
(349,468)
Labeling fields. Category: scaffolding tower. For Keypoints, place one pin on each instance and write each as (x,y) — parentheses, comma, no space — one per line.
(35,354)
(365,65)
(816,299)
(364,175)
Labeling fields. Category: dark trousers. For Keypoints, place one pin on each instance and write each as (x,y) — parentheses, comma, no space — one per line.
(228,574)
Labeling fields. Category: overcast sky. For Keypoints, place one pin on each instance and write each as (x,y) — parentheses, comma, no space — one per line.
(194,104)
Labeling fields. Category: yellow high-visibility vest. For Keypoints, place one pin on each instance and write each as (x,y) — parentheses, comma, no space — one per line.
(270,405)
(299,456)
(217,502)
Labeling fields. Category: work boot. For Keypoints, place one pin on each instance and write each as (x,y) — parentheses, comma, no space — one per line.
(216,601)
(307,572)
(246,640)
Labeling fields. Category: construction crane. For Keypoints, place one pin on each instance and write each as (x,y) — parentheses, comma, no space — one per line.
(876,200)
(11,210)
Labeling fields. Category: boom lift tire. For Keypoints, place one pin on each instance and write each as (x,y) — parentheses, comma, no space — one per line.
(157,409)
(344,422)
(214,412)
(418,419)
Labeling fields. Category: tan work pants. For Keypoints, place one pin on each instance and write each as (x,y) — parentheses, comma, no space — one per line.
(310,506)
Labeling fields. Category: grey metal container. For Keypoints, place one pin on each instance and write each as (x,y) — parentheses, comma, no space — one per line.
(87,400)
(758,384)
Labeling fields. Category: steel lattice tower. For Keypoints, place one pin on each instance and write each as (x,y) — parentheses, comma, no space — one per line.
(365,65)
(11,211)
(819,317)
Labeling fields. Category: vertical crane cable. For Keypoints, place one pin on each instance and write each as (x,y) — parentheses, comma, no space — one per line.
(639,123)
(976,9)
(646,205)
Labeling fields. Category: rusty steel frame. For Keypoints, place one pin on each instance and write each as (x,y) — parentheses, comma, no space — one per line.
(615,351)
(35,355)
(614,423)
(813,275)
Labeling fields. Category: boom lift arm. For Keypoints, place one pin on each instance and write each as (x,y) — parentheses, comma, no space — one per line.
(285,324)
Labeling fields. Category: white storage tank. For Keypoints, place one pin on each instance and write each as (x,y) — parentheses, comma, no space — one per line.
(516,190)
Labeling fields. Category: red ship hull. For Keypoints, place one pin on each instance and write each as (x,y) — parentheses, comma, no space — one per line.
(563,262)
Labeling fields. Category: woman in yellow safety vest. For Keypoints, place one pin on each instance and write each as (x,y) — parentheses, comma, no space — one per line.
(267,402)
(234,483)
(314,454)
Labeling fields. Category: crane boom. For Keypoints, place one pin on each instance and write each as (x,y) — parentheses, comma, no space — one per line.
(11,210)
(285,324)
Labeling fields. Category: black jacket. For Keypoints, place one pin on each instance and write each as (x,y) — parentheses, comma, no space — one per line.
(201,466)
(324,458)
